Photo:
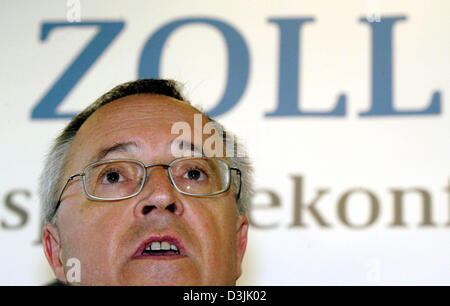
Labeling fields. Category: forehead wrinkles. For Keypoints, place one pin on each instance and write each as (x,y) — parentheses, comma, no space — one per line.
(140,107)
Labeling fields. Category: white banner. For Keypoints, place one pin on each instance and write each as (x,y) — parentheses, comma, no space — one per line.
(342,106)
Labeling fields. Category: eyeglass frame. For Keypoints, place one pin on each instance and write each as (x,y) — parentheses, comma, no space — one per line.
(166,166)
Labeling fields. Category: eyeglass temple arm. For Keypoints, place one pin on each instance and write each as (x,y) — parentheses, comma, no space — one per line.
(240,181)
(62,191)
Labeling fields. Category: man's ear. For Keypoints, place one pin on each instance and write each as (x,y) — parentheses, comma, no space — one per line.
(52,249)
(241,242)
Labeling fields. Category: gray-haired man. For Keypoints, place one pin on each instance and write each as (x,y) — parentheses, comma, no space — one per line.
(119,202)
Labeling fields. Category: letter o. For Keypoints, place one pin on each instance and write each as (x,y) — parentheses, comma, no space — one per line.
(238,59)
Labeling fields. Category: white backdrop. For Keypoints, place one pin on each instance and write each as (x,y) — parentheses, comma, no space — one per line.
(353,169)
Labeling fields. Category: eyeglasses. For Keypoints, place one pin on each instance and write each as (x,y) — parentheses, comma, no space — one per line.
(119,179)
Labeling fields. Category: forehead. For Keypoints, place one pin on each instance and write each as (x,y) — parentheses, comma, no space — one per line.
(152,108)
(146,119)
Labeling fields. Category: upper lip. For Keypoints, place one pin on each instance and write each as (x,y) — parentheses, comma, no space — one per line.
(172,239)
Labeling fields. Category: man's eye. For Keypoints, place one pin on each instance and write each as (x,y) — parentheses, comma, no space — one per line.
(113,177)
(195,175)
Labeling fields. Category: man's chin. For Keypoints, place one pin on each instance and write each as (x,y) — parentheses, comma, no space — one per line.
(139,280)
(149,272)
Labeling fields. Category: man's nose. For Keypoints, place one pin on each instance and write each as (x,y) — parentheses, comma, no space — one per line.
(158,195)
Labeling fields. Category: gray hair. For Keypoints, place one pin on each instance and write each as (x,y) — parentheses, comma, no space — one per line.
(51,183)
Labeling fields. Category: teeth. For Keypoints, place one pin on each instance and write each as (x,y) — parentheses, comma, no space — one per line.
(156,246)
(161,245)
(165,246)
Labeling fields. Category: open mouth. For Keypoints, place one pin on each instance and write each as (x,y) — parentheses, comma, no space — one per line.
(165,247)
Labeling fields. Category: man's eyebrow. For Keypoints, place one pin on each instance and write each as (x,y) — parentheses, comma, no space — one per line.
(117,147)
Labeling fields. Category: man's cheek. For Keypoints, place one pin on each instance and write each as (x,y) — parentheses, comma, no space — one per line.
(80,239)
(83,258)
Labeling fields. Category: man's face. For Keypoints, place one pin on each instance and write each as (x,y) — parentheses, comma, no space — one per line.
(107,237)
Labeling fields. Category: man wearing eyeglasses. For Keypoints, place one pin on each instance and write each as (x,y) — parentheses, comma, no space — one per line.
(118,200)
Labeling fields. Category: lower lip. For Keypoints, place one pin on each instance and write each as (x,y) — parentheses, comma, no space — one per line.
(160,257)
